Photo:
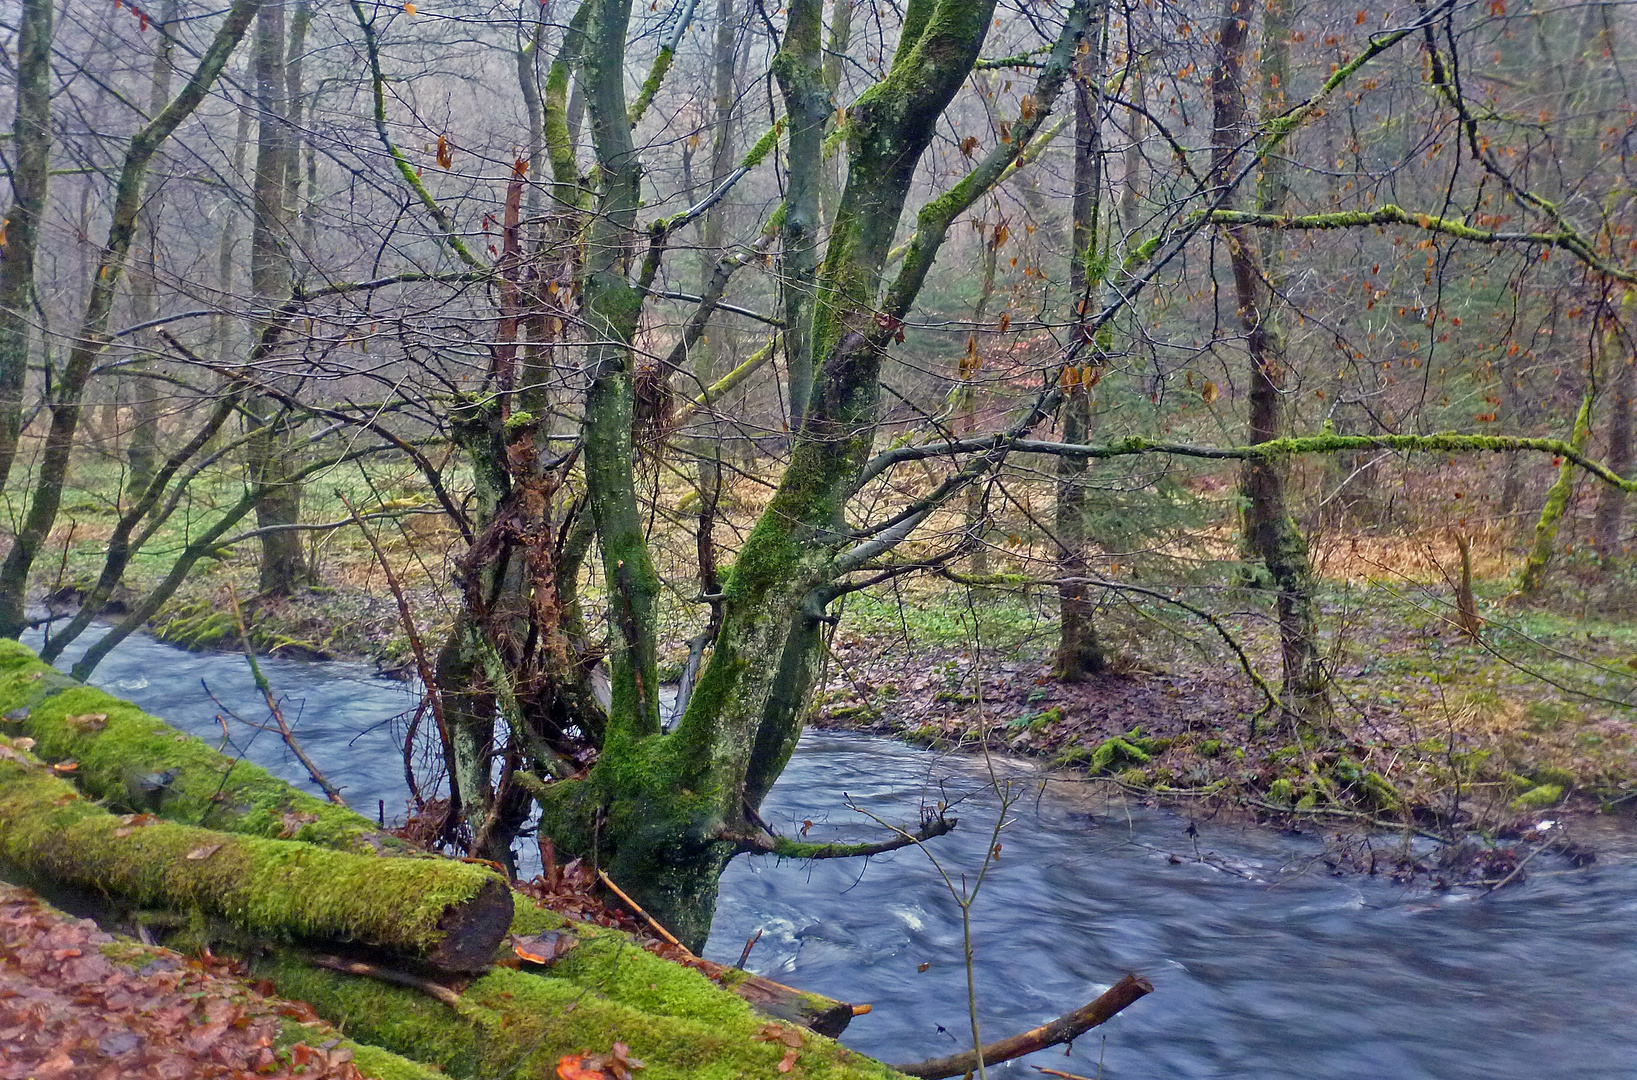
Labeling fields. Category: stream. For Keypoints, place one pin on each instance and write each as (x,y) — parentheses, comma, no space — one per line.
(1264,964)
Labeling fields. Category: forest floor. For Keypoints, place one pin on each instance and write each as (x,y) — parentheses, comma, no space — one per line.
(78,1004)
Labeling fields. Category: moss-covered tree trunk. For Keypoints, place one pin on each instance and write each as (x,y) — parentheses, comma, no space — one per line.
(1271,534)
(1079,652)
(1532,577)
(30,169)
(799,68)
(664,813)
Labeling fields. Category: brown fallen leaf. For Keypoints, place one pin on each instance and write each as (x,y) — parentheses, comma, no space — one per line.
(293,822)
(778,1033)
(203,852)
(66,766)
(543,948)
(24,743)
(789,1060)
(87,722)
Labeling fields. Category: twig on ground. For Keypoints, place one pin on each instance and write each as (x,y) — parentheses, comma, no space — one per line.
(389,975)
(636,907)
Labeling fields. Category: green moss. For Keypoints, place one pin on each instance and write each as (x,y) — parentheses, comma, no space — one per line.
(1379,792)
(207,788)
(1209,748)
(271,887)
(1552,774)
(1539,798)
(1281,791)
(519,1024)
(1115,752)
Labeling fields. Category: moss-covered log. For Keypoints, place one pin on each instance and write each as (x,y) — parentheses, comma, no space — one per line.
(448,914)
(28,915)
(117,755)
(132,760)
(519,1024)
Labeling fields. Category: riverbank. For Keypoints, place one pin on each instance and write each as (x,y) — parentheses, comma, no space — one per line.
(1426,726)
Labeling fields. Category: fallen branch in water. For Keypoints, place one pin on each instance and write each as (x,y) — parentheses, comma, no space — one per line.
(266,688)
(1064,1029)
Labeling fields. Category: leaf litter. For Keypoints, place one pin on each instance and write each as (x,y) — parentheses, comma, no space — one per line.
(68,1012)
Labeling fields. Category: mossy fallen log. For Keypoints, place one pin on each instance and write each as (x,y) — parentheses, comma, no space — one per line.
(519,1024)
(133,760)
(450,915)
(116,746)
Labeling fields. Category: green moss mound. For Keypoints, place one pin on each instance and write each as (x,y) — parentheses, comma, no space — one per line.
(518,1024)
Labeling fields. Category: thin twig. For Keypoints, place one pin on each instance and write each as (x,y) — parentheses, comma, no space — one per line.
(330,791)
(636,907)
(389,975)
(423,667)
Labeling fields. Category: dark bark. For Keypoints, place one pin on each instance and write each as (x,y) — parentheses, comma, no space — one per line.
(142,448)
(284,566)
(800,72)
(30,168)
(1611,503)
(1079,652)
(1271,534)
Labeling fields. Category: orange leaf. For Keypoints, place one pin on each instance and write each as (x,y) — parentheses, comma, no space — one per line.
(409,9)
(202,852)
(571,1067)
(66,766)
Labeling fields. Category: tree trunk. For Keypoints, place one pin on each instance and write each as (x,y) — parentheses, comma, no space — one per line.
(92,336)
(284,566)
(30,168)
(1611,504)
(1533,575)
(799,68)
(662,813)
(1270,532)
(1079,653)
(142,446)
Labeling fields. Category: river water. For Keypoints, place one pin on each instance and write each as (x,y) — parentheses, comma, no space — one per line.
(1264,965)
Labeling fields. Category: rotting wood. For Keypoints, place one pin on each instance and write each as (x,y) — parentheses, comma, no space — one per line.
(1064,1029)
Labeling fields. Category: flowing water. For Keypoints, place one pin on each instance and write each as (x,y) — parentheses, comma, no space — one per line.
(1260,969)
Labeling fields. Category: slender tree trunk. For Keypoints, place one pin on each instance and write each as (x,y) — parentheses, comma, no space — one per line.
(283,562)
(713,240)
(1611,503)
(1533,575)
(799,70)
(1271,533)
(1079,653)
(841,37)
(31,165)
(92,338)
(612,304)
(142,449)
